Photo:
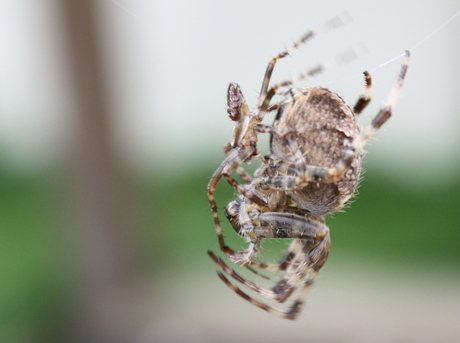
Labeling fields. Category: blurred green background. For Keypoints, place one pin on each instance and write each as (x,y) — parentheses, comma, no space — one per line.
(408,240)
(105,222)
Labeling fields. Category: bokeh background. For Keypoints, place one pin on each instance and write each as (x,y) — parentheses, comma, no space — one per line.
(112,120)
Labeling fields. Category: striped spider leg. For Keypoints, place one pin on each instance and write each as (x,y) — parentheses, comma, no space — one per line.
(300,275)
(307,254)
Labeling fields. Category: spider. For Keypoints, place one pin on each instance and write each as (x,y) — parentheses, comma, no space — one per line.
(313,170)
(243,146)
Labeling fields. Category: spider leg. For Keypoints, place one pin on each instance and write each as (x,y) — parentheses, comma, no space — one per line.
(243,191)
(275,225)
(232,214)
(315,259)
(280,296)
(365,98)
(253,301)
(285,262)
(384,113)
(312,259)
(271,66)
(261,128)
(264,103)
(295,94)
(243,174)
(301,257)
(295,274)
(232,162)
(380,119)
(291,313)
(265,97)
(276,267)
(274,107)
(296,175)
(239,170)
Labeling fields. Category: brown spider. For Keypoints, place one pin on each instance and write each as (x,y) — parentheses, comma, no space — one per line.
(243,146)
(313,170)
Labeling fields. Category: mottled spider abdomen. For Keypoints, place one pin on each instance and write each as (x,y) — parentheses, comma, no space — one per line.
(325,128)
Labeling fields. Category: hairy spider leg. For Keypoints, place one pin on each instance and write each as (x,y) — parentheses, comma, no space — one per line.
(294,248)
(310,233)
(279,292)
(264,104)
(233,160)
(365,98)
(265,94)
(306,266)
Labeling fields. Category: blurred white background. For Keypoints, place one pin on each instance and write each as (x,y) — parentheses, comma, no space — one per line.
(169,63)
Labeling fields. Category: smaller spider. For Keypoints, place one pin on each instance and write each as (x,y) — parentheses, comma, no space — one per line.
(313,170)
